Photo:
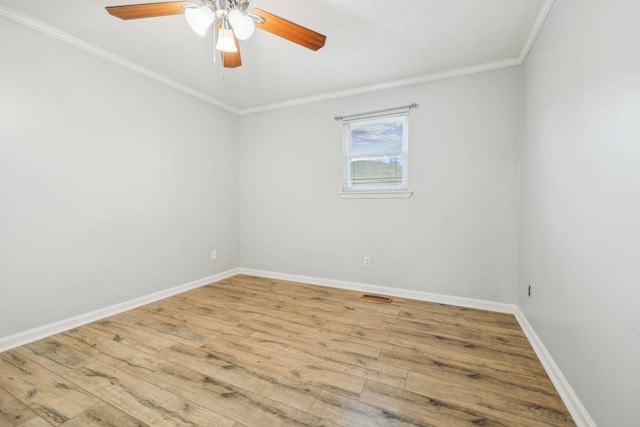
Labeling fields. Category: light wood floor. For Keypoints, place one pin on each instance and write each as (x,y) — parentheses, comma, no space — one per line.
(254,352)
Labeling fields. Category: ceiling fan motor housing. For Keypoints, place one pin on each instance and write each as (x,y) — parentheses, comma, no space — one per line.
(224,6)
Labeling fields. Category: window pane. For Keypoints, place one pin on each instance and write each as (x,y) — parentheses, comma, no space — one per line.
(375,153)
(371,139)
(377,171)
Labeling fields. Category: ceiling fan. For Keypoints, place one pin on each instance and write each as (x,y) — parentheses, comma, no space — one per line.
(232,23)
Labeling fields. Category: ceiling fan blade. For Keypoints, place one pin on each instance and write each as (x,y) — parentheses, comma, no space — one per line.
(290,31)
(149,10)
(232,59)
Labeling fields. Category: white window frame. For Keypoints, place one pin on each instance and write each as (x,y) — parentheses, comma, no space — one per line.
(351,190)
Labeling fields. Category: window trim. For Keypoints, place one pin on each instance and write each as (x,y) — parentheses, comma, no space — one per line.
(375,194)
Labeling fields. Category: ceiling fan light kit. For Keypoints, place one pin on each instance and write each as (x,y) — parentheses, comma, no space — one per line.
(225,41)
(199,18)
(242,24)
(231,18)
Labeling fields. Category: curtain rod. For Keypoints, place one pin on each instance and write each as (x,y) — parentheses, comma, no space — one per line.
(386,110)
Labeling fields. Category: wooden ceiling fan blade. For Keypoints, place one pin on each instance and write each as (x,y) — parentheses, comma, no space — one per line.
(289,30)
(232,59)
(148,10)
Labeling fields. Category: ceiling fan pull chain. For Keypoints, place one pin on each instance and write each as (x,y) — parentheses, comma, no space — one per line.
(222,53)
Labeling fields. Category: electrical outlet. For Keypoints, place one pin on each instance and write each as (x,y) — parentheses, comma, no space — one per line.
(214,255)
(367,262)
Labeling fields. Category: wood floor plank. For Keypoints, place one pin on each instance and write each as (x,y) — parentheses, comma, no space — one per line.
(363,362)
(12,411)
(292,364)
(417,361)
(448,372)
(131,335)
(54,355)
(358,348)
(235,403)
(277,336)
(448,310)
(508,403)
(187,317)
(166,329)
(187,303)
(484,321)
(407,405)
(512,343)
(282,389)
(35,422)
(507,321)
(251,282)
(486,326)
(112,352)
(350,412)
(48,394)
(295,321)
(142,400)
(104,415)
(370,336)
(241,301)
(442,329)
(248,351)
(437,347)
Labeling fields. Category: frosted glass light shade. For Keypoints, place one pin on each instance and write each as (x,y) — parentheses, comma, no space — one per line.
(242,24)
(199,18)
(225,41)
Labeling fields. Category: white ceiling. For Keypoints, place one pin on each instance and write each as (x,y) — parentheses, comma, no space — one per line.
(370,44)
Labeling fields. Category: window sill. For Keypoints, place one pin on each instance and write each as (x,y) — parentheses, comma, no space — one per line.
(375,194)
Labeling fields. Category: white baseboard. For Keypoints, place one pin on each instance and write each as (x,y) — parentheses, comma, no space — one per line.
(22,338)
(569,397)
(384,290)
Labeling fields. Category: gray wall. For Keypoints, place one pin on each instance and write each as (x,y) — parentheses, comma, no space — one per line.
(457,235)
(580,201)
(112,186)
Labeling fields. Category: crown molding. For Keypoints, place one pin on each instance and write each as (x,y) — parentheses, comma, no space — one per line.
(105,54)
(511,62)
(537,26)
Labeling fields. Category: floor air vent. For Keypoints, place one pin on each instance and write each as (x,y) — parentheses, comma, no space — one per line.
(376,298)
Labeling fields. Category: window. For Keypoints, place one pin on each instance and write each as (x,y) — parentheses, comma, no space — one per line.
(376,154)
